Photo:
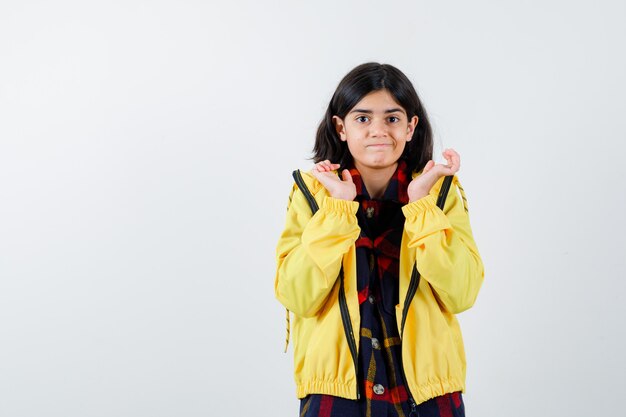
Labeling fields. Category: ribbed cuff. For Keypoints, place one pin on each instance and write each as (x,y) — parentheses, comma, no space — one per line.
(418,206)
(340,206)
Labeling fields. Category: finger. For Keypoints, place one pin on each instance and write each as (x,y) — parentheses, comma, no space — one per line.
(452,163)
(455,160)
(322,166)
(328,166)
(319,167)
(452,156)
(345,174)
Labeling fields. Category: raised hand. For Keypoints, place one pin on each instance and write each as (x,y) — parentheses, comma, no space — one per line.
(420,186)
(343,189)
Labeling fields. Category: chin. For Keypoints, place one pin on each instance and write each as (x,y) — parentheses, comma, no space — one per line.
(382,164)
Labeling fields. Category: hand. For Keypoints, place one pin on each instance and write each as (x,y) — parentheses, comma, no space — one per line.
(344,190)
(420,186)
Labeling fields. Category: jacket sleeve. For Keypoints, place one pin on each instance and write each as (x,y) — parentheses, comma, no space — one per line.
(310,251)
(445,251)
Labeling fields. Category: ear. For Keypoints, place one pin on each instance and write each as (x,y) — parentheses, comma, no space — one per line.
(340,128)
(411,128)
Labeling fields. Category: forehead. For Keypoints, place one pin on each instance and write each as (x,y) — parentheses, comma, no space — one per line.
(379,101)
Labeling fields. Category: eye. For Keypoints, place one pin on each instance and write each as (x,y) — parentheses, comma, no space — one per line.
(362,119)
(394,119)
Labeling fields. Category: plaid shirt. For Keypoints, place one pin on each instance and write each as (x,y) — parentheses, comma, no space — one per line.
(381,381)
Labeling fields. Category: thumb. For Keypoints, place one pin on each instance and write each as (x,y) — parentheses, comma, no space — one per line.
(345,174)
(428,166)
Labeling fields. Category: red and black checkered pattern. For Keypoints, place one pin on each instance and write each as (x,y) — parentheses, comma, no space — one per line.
(381,383)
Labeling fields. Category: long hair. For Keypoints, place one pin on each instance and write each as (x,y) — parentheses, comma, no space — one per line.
(359,82)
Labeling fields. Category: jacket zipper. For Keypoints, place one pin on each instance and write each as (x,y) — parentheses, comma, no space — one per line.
(413,284)
(347,327)
(343,305)
(414,412)
(443,193)
(297,176)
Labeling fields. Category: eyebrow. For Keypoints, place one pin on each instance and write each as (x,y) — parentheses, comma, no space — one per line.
(397,109)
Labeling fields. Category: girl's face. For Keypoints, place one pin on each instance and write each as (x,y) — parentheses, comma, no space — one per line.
(376,130)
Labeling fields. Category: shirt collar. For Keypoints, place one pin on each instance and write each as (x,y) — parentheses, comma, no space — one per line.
(396,189)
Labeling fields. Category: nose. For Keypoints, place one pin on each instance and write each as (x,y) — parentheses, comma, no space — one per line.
(378,128)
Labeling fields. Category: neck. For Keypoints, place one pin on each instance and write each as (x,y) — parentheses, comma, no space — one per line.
(376,180)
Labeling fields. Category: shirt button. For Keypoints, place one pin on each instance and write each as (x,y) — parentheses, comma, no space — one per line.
(369,212)
(378,389)
(371,299)
(375,343)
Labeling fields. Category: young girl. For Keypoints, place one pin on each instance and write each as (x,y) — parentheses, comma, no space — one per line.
(373,264)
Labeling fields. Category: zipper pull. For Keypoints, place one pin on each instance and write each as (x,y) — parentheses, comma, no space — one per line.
(414,412)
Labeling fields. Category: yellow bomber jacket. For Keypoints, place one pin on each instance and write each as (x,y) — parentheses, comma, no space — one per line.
(310,253)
